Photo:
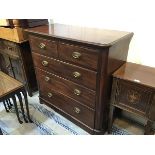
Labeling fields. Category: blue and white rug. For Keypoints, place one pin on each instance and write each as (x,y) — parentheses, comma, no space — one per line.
(46,122)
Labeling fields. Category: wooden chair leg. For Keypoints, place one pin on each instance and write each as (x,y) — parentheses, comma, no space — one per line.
(16,109)
(21,105)
(148,128)
(8,104)
(5,105)
(111,113)
(26,104)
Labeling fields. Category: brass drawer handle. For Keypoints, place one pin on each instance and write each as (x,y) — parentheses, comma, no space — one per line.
(44,63)
(47,78)
(77,110)
(76,74)
(50,95)
(76,55)
(42,45)
(77,92)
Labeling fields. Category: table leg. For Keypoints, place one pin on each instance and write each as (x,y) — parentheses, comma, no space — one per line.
(5,105)
(16,108)
(148,127)
(21,105)
(111,113)
(26,104)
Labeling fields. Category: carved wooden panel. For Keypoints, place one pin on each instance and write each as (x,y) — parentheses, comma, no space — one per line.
(133,97)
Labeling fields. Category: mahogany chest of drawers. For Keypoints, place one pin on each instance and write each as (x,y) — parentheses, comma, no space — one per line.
(74,67)
(16,61)
(134,91)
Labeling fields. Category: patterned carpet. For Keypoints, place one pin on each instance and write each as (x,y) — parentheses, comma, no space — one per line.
(46,122)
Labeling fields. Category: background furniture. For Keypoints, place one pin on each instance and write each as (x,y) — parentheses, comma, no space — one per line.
(23,23)
(26,23)
(74,67)
(10,89)
(134,91)
(16,61)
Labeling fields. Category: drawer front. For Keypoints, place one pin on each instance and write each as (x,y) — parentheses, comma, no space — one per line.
(79,55)
(71,72)
(69,106)
(43,46)
(68,88)
(10,48)
(133,97)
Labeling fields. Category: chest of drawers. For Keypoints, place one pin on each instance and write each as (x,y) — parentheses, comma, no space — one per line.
(74,67)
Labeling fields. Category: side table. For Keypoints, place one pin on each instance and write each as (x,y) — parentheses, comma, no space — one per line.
(10,89)
(133,90)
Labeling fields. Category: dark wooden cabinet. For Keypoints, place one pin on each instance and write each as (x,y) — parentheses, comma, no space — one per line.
(74,67)
(134,91)
(16,61)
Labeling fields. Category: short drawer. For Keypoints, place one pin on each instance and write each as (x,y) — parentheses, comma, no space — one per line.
(43,46)
(68,88)
(10,48)
(68,106)
(71,72)
(86,57)
(133,97)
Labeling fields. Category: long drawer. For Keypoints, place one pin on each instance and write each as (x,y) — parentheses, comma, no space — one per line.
(71,89)
(68,105)
(86,57)
(71,72)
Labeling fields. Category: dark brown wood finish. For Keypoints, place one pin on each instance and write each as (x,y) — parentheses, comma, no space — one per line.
(95,54)
(134,91)
(86,57)
(141,74)
(70,106)
(86,35)
(44,46)
(65,87)
(16,61)
(86,77)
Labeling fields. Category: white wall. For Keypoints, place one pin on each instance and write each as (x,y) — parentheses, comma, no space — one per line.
(137,16)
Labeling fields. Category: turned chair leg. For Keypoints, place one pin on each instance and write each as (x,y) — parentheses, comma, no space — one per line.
(5,105)
(16,109)
(26,104)
(21,105)
(8,104)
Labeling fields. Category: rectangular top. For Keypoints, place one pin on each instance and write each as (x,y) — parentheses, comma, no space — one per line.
(8,84)
(137,73)
(95,36)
